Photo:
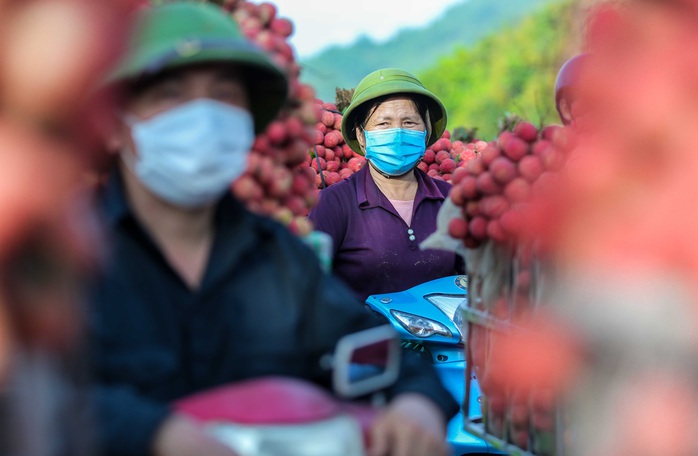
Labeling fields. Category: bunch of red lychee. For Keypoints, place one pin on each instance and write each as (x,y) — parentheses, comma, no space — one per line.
(442,158)
(494,188)
(330,157)
(277,182)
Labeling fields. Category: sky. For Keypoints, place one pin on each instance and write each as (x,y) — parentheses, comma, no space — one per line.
(322,23)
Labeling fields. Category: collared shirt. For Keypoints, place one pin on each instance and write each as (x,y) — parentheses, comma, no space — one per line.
(264,307)
(375,251)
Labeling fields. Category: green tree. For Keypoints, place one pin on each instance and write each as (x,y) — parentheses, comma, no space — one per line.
(512,71)
(413,49)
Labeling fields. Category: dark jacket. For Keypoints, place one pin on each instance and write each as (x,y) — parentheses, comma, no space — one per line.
(264,307)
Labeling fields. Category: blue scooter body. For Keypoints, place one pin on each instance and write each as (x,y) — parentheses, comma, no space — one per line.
(447,352)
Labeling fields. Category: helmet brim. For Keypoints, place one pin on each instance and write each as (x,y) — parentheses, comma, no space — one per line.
(266,84)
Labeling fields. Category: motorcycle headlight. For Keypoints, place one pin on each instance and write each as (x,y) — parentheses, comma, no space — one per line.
(420,326)
(449,305)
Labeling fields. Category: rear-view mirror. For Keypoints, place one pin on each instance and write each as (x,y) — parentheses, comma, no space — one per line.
(366,361)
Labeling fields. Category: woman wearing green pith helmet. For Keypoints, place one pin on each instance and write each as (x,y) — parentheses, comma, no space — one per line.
(378,217)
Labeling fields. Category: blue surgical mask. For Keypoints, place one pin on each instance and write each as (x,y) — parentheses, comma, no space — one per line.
(395,151)
(189,155)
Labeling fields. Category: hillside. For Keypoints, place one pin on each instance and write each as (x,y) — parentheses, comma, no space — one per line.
(512,71)
(413,49)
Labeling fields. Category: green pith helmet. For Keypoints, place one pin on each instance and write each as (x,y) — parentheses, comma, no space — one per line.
(184,33)
(389,81)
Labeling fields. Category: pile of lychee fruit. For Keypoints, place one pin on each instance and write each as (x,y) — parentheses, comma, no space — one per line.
(278,181)
(494,188)
(331,158)
(445,156)
(500,194)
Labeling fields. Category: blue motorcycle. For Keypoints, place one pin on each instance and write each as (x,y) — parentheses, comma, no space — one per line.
(427,321)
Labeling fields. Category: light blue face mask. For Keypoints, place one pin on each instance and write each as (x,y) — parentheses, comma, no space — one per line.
(395,151)
(189,155)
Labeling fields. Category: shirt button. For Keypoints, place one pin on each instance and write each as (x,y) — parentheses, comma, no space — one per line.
(410,231)
(412,238)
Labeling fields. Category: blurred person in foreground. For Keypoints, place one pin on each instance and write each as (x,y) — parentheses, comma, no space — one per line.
(193,276)
(630,295)
(378,217)
(47,229)
(567,88)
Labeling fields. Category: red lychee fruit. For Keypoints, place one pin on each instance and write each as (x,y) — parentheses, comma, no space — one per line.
(442,144)
(530,167)
(331,139)
(469,187)
(277,133)
(328,119)
(332,166)
(347,151)
(333,178)
(447,166)
(548,133)
(355,164)
(518,190)
(458,174)
(345,173)
(282,26)
(441,156)
(246,188)
(456,195)
(489,153)
(526,131)
(475,166)
(457,228)
(314,163)
(495,231)
(503,170)
(493,206)
(320,151)
(478,228)
(319,137)
(487,185)
(511,221)
(515,148)
(552,158)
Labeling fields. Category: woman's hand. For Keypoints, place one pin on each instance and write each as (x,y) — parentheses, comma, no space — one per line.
(411,425)
(180,436)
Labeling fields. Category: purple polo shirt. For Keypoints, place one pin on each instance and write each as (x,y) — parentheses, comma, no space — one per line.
(374,249)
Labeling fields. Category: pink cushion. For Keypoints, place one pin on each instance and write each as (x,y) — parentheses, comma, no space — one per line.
(270,400)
